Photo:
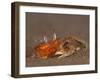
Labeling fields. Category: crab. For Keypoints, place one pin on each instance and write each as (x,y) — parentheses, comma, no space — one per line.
(60,48)
(48,49)
(70,46)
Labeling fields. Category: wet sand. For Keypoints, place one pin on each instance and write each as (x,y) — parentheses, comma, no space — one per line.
(75,59)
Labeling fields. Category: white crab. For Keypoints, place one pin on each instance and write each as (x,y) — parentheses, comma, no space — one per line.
(70,46)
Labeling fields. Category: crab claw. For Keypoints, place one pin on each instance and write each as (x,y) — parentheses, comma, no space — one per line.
(59,53)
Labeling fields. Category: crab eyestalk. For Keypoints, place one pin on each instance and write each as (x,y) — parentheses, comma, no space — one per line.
(54,36)
(45,39)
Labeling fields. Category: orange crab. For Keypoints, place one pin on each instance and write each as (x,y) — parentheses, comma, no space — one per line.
(45,50)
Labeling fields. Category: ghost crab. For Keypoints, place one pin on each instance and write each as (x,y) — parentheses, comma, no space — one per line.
(71,45)
(60,48)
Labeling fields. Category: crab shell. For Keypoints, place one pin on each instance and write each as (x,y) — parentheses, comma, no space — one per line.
(46,50)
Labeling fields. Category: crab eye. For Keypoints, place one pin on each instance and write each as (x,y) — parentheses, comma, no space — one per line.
(65,44)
